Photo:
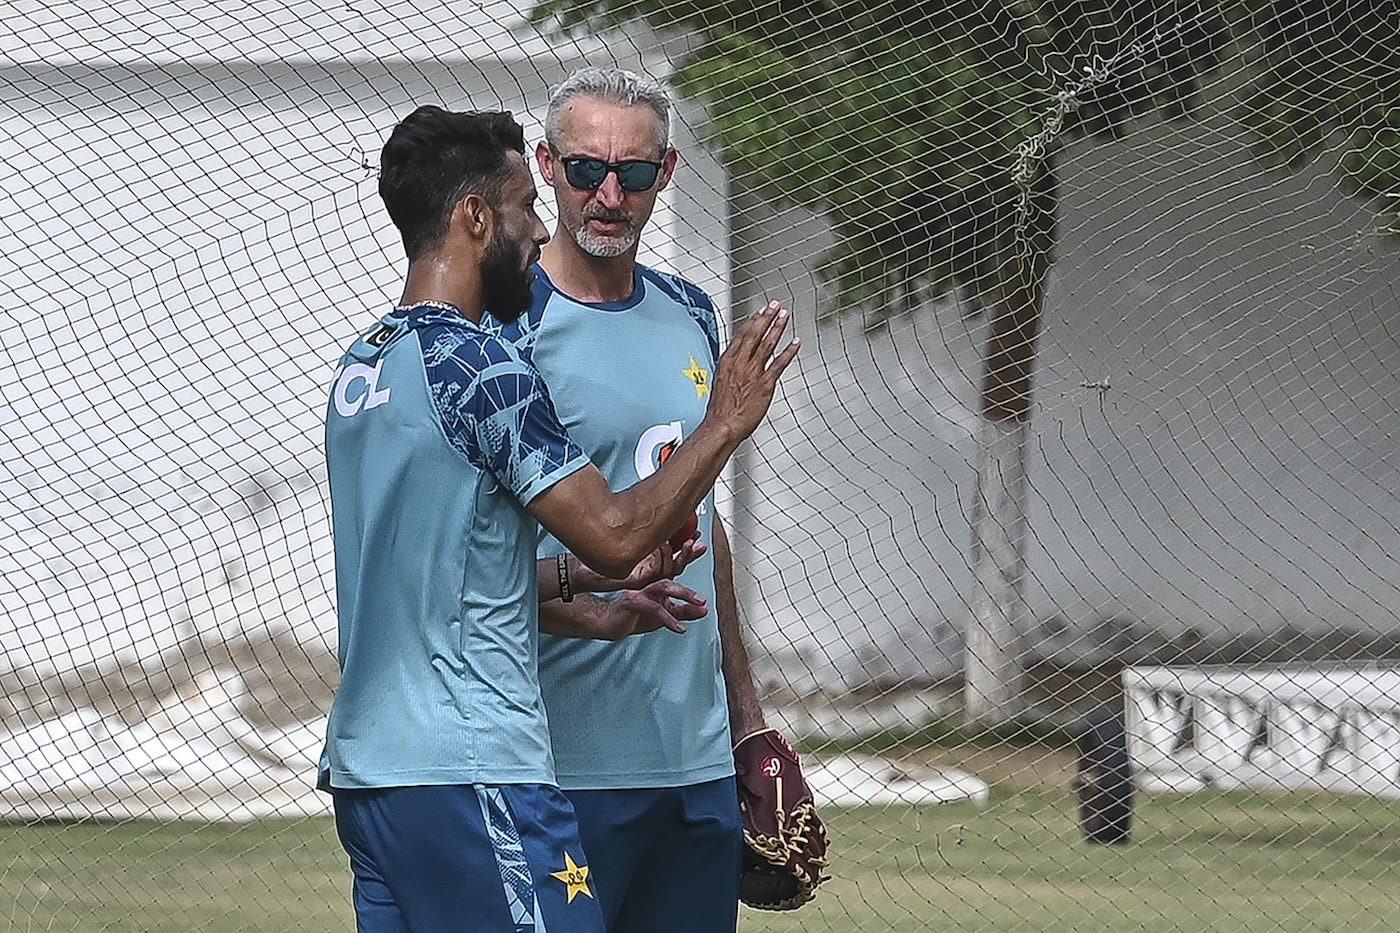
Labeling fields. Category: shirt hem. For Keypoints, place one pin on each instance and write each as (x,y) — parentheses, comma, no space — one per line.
(638,780)
(336,780)
(543,483)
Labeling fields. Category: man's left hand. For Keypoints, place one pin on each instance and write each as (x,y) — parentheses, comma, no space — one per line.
(663,604)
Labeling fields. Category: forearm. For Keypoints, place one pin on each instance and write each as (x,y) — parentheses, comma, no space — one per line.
(645,515)
(612,532)
(577,619)
(575,575)
(745,711)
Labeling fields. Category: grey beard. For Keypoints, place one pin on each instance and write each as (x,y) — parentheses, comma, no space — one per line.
(604,247)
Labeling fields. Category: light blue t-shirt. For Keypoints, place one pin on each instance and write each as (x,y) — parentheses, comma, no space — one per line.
(630,381)
(437,436)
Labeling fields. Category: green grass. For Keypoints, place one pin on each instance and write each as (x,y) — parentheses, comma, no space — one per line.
(173,877)
(1220,862)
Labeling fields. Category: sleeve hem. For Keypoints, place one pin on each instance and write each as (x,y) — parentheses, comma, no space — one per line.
(547,480)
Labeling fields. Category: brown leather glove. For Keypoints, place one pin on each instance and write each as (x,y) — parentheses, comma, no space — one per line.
(784,840)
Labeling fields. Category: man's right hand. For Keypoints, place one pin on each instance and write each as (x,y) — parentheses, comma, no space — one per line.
(747,373)
(660,564)
(612,532)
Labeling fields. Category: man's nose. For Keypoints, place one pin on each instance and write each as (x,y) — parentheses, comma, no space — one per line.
(610,193)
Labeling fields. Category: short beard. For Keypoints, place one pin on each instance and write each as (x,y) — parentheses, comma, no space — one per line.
(604,247)
(504,284)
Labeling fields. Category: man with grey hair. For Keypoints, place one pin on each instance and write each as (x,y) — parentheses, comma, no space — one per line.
(643,730)
(592,222)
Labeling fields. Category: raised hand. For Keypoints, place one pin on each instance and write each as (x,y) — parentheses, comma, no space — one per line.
(748,371)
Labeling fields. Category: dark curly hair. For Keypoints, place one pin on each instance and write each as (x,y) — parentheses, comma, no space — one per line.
(436,157)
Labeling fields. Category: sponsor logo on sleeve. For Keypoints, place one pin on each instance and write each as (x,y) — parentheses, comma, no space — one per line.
(356,389)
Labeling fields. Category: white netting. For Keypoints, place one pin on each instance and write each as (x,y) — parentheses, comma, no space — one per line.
(1204,470)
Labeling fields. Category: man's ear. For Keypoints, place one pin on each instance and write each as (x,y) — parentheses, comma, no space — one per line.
(668,167)
(475,217)
(544,156)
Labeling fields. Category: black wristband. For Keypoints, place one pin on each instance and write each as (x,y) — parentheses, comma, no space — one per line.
(566,592)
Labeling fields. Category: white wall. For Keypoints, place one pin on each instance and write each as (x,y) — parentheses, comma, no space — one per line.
(190,234)
(185,250)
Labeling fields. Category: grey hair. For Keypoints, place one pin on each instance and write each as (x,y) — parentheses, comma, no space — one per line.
(616,86)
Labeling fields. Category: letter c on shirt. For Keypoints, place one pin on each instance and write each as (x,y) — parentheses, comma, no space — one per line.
(371,396)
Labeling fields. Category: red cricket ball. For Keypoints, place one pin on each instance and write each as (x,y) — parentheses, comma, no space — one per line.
(687,532)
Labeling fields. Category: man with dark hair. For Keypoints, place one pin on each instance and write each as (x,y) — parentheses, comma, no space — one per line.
(433,159)
(644,731)
(443,452)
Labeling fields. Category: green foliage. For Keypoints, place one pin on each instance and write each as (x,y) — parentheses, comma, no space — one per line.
(900,120)
(1329,68)
(906,149)
(903,122)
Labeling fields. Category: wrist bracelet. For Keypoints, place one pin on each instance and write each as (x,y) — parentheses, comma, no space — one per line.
(566,592)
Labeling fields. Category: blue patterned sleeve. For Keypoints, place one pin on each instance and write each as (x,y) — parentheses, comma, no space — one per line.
(495,409)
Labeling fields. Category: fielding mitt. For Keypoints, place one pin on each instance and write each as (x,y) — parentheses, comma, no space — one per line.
(784,841)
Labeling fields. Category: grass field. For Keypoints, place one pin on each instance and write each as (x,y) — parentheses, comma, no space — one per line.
(1220,862)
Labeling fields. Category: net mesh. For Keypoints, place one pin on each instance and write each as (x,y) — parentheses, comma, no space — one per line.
(1089,450)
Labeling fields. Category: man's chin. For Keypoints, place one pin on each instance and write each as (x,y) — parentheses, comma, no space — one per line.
(602,246)
(606,247)
(506,306)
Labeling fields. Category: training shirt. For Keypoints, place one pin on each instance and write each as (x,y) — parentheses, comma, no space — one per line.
(437,435)
(630,381)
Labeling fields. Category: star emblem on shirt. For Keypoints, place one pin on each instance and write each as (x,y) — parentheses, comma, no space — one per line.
(701,378)
(575,878)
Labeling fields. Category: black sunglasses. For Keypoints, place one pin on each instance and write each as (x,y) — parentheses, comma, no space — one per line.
(589,174)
